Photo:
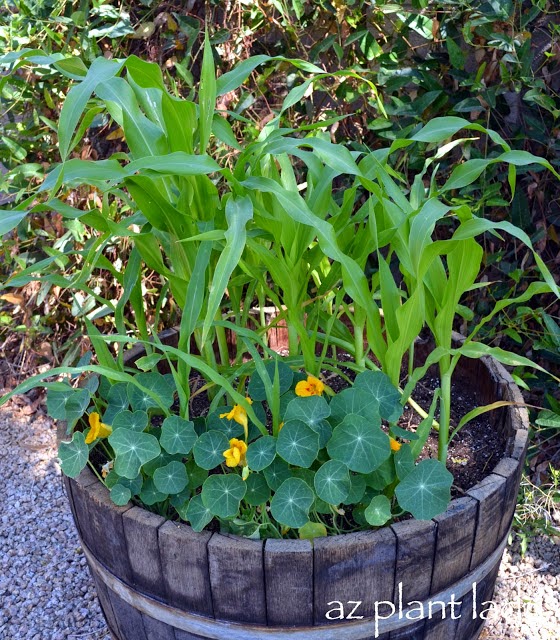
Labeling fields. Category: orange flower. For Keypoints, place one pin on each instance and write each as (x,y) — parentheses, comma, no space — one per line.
(239,414)
(395,446)
(310,387)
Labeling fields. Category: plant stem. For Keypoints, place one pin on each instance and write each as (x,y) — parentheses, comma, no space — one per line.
(443,440)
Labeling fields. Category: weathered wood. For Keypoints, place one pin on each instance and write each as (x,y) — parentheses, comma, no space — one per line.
(156,630)
(78,502)
(131,625)
(185,635)
(351,568)
(288,568)
(184,565)
(237,579)
(439,628)
(490,495)
(105,532)
(416,542)
(104,600)
(141,532)
(454,542)
(511,470)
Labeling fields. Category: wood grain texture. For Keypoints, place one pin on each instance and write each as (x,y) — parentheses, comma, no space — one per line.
(141,533)
(185,635)
(75,490)
(237,579)
(156,630)
(184,565)
(104,600)
(510,470)
(105,532)
(454,542)
(490,494)
(354,567)
(288,566)
(416,543)
(439,628)
(131,625)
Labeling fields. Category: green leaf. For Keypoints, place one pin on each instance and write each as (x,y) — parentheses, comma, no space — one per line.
(157,384)
(147,363)
(9,220)
(197,514)
(380,387)
(101,71)
(312,410)
(466,173)
(117,401)
(312,530)
(223,493)
(150,495)
(548,418)
(276,473)
(209,449)
(132,450)
(172,478)
(73,455)
(238,213)
(298,444)
(404,461)
(399,432)
(230,428)
(357,489)
(261,453)
(207,95)
(135,421)
(291,503)
(440,129)
(359,444)
(426,491)
(378,512)
(332,482)
(120,494)
(256,388)
(177,435)
(355,401)
(258,491)
(69,405)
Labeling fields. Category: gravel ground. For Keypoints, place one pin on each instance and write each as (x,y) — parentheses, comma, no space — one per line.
(46,592)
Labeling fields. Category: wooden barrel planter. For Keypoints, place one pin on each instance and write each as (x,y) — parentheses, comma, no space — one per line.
(429,580)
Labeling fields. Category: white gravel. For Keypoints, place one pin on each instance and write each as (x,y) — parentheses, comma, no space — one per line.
(46,592)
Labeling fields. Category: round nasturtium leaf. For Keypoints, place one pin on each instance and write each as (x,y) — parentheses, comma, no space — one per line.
(357,489)
(404,461)
(197,514)
(209,449)
(359,443)
(133,420)
(135,485)
(150,495)
(120,494)
(222,493)
(310,410)
(117,401)
(157,384)
(312,530)
(73,455)
(332,482)
(291,503)
(276,473)
(132,450)
(256,388)
(258,491)
(181,499)
(177,435)
(426,490)
(378,512)
(261,453)
(172,478)
(229,428)
(354,401)
(297,443)
(387,396)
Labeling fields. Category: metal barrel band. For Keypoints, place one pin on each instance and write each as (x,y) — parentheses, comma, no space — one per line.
(219,629)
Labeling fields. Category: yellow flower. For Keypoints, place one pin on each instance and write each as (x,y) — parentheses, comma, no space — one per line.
(235,455)
(395,446)
(238,414)
(310,387)
(98,429)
